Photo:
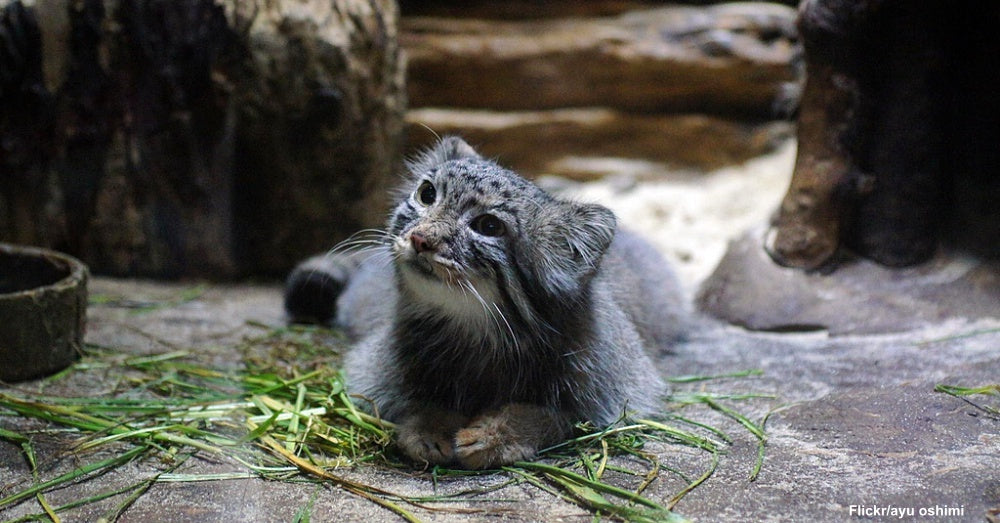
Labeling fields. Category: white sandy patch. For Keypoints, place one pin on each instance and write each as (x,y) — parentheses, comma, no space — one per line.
(690,217)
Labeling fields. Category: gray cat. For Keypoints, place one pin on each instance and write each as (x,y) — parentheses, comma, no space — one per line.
(491,317)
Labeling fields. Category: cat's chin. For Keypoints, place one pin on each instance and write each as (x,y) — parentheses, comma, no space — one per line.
(439,287)
(430,292)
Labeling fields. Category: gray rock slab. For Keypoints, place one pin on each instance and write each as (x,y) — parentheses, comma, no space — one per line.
(854,421)
(858,297)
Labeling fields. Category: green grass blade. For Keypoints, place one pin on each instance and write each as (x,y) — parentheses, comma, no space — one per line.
(12,436)
(958,336)
(683,436)
(962,393)
(693,379)
(968,391)
(694,484)
(714,430)
(77,503)
(755,429)
(304,515)
(564,474)
(589,494)
(73,475)
(140,489)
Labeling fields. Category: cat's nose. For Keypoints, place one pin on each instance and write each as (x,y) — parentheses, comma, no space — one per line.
(420,243)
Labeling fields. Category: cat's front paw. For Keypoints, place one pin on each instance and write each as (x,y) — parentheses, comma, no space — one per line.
(432,448)
(429,437)
(489,442)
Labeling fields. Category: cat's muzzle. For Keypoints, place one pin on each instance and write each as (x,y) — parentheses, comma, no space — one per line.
(422,264)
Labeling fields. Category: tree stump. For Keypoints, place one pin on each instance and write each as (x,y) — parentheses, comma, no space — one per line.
(899,129)
(892,209)
(207,138)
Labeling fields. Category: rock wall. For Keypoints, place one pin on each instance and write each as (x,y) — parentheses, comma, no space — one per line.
(690,86)
(533,9)
(221,138)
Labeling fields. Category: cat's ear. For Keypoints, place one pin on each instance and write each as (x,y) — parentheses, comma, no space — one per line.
(569,239)
(449,148)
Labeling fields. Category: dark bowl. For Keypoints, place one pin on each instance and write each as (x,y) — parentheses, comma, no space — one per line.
(43,311)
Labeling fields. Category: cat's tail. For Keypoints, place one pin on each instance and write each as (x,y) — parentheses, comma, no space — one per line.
(312,288)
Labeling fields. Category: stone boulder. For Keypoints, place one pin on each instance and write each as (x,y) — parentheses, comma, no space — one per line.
(729,59)
(528,9)
(565,142)
(551,88)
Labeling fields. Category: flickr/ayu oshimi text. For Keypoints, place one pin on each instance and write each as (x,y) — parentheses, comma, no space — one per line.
(900,512)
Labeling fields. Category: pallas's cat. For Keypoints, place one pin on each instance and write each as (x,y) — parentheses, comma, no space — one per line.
(490,317)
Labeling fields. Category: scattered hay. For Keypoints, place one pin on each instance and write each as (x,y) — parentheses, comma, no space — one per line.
(286,416)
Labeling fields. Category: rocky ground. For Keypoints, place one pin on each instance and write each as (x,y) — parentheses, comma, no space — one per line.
(855,429)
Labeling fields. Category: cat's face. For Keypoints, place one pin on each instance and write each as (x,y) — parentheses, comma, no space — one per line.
(469,235)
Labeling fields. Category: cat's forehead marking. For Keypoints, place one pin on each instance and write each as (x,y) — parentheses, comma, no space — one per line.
(470,183)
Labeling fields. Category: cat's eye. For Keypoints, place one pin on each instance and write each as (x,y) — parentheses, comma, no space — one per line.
(488,225)
(426,193)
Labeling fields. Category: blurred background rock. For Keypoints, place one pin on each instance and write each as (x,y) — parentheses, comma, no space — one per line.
(545,87)
(221,139)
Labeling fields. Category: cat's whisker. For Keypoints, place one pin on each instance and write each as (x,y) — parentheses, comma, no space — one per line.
(489,311)
(468,288)
(365,236)
(371,232)
(371,239)
(348,245)
(380,257)
(510,330)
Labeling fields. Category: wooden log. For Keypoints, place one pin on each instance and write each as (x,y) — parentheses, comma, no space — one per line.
(807,229)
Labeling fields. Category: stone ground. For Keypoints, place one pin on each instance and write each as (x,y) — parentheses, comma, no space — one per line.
(854,421)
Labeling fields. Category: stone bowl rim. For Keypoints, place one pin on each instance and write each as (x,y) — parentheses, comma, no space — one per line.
(46,319)
(76,269)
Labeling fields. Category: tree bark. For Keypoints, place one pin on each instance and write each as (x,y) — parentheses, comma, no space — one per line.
(196,137)
(897,133)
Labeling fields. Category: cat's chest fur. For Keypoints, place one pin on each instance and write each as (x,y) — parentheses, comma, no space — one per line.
(470,362)
(470,375)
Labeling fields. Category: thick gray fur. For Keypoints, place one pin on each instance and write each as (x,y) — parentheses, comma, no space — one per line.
(486,348)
